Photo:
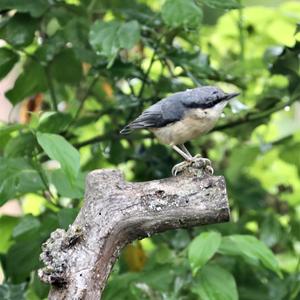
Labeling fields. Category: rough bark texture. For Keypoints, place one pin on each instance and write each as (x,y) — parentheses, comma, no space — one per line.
(79,261)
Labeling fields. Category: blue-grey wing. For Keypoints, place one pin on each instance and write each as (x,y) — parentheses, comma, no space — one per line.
(160,114)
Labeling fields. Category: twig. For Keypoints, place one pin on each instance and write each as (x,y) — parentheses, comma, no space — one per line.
(51,88)
(241,31)
(111,136)
(39,169)
(251,117)
(295,289)
(146,75)
(131,88)
(140,94)
(82,101)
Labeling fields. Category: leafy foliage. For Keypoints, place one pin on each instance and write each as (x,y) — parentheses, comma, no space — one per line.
(8,59)
(214,283)
(250,248)
(180,13)
(202,248)
(17,178)
(109,37)
(57,148)
(94,66)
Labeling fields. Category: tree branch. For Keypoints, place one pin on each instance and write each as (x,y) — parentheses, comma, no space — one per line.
(79,261)
(146,75)
(51,88)
(82,101)
(251,116)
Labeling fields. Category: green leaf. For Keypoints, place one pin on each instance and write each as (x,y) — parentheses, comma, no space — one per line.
(227,4)
(17,177)
(6,133)
(7,129)
(158,278)
(65,68)
(22,258)
(215,283)
(12,291)
(236,165)
(7,225)
(181,239)
(108,38)
(128,34)
(122,285)
(251,248)
(103,37)
(53,122)
(50,48)
(77,32)
(290,154)
(66,216)
(182,13)
(26,224)
(164,254)
(18,30)
(297,28)
(67,188)
(8,59)
(119,286)
(49,222)
(21,145)
(30,82)
(202,248)
(287,62)
(36,8)
(40,289)
(270,231)
(58,148)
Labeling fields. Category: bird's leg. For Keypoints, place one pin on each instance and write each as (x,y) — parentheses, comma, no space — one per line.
(178,168)
(185,150)
(186,156)
(196,161)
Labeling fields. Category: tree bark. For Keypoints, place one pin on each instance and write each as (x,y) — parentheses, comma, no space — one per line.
(78,262)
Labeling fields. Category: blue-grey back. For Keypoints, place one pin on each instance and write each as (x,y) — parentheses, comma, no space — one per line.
(173,108)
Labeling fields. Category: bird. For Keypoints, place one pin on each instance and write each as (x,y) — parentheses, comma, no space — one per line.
(181,117)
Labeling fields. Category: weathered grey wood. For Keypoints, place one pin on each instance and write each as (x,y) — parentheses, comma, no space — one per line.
(79,261)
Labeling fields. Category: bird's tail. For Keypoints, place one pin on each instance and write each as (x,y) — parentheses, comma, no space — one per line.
(126,130)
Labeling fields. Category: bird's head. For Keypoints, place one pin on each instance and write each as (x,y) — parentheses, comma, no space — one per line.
(209,96)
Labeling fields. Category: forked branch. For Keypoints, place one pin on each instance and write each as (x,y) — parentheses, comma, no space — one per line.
(115,212)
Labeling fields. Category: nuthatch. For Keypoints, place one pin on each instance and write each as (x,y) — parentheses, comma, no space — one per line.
(182,117)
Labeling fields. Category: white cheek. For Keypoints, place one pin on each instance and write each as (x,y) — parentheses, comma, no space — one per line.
(215,112)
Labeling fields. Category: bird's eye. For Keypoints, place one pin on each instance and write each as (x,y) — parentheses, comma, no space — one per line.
(215,92)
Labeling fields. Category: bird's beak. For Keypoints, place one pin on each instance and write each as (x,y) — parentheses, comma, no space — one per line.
(230,96)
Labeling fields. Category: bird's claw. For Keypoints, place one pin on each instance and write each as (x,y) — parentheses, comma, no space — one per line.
(196,163)
(200,162)
(178,168)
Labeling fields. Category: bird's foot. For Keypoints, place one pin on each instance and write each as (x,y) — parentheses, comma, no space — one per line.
(197,166)
(204,163)
(179,168)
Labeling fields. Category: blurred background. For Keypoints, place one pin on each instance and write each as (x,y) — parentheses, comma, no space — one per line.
(74,72)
